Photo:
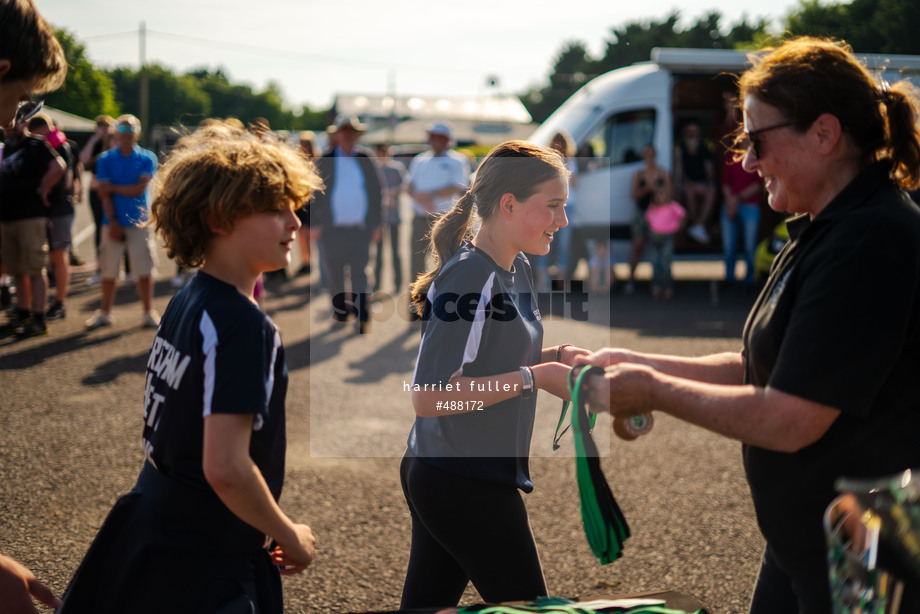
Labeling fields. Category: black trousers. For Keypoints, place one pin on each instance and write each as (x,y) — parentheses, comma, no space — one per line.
(347,247)
(466,529)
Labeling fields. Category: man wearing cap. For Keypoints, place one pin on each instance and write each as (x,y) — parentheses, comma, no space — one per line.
(122,175)
(347,218)
(437,177)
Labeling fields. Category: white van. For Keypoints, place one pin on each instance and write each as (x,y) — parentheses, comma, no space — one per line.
(617,114)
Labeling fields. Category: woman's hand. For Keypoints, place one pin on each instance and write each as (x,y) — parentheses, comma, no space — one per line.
(624,391)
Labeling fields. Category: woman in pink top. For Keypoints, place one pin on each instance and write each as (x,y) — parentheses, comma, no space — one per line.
(664,217)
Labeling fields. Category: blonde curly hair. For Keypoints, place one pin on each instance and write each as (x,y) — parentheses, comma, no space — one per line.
(217,175)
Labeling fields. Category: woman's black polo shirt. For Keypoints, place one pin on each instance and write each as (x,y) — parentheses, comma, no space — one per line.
(838,323)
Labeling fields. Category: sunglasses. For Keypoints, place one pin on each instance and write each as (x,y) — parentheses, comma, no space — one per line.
(750,141)
(28,109)
(125,128)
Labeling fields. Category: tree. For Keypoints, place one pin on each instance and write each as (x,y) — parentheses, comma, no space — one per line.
(869,26)
(87,91)
(572,69)
(173,99)
(629,44)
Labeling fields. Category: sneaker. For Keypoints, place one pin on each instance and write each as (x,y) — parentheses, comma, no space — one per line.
(35,328)
(56,311)
(698,233)
(99,320)
(17,319)
(151,319)
(94,280)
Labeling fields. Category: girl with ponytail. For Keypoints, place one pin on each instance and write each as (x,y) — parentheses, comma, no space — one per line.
(479,365)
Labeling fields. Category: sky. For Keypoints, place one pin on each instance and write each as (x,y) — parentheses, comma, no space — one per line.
(316,49)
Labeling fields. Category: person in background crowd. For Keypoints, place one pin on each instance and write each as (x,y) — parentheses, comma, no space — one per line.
(645,182)
(347,216)
(99,142)
(825,384)
(664,217)
(305,236)
(563,144)
(28,172)
(437,177)
(32,62)
(695,178)
(393,174)
(741,191)
(61,212)
(122,175)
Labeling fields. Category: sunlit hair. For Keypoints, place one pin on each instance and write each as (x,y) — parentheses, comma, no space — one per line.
(40,120)
(514,167)
(217,175)
(566,141)
(28,42)
(807,77)
(132,120)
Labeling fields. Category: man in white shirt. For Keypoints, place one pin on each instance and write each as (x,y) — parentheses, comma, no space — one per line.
(437,178)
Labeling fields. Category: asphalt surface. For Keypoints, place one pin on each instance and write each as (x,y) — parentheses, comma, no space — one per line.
(70,429)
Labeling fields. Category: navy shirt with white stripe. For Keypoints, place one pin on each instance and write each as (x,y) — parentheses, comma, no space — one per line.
(215,352)
(479,321)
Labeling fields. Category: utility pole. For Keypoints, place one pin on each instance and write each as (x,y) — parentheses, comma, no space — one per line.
(145,85)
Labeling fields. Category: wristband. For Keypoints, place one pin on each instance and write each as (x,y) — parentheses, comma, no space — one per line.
(559,349)
(528,382)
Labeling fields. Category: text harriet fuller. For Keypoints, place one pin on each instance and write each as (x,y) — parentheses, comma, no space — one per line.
(474,386)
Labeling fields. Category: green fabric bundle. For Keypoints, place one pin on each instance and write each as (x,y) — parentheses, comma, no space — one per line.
(605,526)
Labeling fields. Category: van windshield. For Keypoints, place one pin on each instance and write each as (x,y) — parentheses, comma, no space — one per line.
(623,136)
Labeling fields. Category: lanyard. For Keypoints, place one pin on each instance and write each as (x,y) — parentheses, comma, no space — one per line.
(605,526)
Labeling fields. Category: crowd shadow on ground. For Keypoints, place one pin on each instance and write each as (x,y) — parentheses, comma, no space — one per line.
(699,308)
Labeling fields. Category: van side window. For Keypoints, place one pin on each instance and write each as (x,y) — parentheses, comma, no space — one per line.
(623,136)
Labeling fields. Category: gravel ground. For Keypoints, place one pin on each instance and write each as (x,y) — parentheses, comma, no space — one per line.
(70,424)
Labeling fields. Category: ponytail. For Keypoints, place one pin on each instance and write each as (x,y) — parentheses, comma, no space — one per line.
(515,167)
(901,105)
(447,236)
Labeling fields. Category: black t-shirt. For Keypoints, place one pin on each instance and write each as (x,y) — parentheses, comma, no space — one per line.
(215,352)
(838,323)
(694,163)
(21,171)
(479,321)
(61,195)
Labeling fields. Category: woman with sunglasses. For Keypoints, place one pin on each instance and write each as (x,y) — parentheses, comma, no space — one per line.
(826,382)
(480,362)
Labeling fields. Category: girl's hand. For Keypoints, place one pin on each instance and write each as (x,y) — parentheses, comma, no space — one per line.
(553,378)
(570,353)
